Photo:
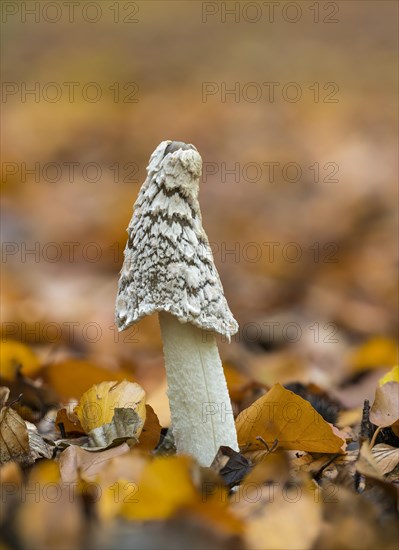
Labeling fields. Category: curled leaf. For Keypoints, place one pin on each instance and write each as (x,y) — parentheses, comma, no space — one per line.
(112,412)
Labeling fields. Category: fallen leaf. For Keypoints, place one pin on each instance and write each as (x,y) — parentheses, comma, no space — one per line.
(111,412)
(14,438)
(230,465)
(385,409)
(386,457)
(126,424)
(38,447)
(366,463)
(283,415)
(151,432)
(75,462)
(96,406)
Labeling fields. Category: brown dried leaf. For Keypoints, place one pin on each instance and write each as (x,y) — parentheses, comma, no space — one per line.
(77,463)
(385,409)
(230,465)
(14,438)
(283,415)
(386,457)
(366,463)
(38,447)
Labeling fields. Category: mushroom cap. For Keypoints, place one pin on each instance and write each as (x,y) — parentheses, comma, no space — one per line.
(168,263)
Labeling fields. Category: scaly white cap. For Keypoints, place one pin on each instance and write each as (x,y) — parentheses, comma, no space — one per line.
(168,263)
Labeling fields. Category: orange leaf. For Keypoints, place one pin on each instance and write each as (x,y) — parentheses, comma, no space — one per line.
(151,432)
(283,415)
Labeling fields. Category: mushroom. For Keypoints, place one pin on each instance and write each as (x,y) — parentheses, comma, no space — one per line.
(168,268)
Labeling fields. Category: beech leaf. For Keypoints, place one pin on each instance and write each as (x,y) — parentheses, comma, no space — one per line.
(385,409)
(283,415)
(14,437)
(111,413)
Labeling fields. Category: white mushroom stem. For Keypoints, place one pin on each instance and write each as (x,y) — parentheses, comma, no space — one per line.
(202,418)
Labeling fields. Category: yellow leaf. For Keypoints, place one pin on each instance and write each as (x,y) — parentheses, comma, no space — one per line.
(15,354)
(97,406)
(165,486)
(375,353)
(283,415)
(391,376)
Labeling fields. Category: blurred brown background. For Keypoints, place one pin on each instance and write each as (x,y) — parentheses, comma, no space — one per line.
(113,79)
